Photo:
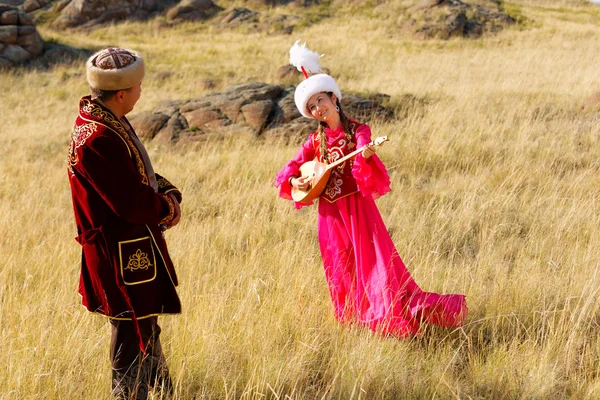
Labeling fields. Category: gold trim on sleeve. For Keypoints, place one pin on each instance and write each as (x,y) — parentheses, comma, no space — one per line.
(171,215)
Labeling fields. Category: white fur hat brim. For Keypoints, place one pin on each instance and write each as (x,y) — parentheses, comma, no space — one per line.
(314,84)
(117,78)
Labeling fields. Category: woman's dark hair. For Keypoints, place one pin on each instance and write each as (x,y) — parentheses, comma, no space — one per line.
(345,123)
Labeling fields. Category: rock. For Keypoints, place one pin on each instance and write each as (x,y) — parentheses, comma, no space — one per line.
(26,30)
(168,107)
(9,18)
(30,40)
(444,19)
(19,39)
(25,19)
(89,13)
(15,53)
(192,10)
(4,63)
(236,15)
(256,113)
(170,132)
(148,124)
(9,34)
(455,24)
(60,5)
(255,21)
(426,4)
(206,117)
(245,109)
(31,5)
(287,73)
(6,7)
(285,109)
(231,100)
(33,44)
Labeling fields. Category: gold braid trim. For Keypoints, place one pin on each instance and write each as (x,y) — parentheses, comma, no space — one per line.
(95,110)
(163,183)
(171,215)
(79,135)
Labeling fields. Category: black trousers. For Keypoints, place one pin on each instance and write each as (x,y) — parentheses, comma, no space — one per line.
(133,373)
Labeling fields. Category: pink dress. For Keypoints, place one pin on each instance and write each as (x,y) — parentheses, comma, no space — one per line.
(368,281)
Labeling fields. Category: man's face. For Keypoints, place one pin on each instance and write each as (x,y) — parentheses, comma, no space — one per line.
(131,97)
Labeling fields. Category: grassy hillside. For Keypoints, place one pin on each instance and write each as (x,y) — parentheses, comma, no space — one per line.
(495,195)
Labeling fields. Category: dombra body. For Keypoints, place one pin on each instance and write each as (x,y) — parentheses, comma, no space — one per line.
(319,174)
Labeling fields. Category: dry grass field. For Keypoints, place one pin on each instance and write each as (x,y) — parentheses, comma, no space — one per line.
(496,194)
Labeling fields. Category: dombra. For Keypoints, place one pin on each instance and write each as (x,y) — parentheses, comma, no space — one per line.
(319,173)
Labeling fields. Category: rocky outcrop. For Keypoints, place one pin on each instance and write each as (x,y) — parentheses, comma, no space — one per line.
(235,17)
(250,108)
(88,13)
(19,39)
(444,19)
(33,5)
(271,3)
(192,10)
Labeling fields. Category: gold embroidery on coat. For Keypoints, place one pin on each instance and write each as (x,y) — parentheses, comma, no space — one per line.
(163,183)
(171,214)
(96,111)
(79,135)
(138,260)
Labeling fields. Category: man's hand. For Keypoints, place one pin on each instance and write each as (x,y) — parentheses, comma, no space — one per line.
(177,215)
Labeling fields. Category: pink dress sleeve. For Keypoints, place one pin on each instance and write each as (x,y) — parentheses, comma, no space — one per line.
(370,174)
(292,168)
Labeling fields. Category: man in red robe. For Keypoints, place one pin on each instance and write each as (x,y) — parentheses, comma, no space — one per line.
(121,209)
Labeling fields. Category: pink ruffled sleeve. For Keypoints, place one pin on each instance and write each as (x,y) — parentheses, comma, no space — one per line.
(292,168)
(370,174)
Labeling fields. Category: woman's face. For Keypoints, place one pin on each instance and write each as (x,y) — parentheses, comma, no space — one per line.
(322,107)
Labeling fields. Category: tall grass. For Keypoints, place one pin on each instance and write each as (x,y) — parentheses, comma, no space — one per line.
(495,182)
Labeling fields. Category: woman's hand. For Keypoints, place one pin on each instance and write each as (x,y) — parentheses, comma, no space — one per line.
(368,151)
(302,183)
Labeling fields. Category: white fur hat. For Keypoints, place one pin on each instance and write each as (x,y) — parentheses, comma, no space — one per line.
(115,69)
(307,61)
(314,84)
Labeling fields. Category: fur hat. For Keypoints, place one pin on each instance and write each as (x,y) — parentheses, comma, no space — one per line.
(307,61)
(314,84)
(115,69)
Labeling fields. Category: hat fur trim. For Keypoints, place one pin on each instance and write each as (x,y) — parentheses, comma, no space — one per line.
(314,84)
(115,79)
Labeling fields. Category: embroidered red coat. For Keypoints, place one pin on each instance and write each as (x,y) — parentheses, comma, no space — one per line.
(126,271)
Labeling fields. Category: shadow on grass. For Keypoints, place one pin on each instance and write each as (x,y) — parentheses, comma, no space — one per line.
(55,54)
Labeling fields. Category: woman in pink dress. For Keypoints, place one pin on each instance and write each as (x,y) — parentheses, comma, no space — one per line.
(367,280)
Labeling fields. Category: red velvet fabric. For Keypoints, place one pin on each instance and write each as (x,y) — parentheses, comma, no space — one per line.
(126,271)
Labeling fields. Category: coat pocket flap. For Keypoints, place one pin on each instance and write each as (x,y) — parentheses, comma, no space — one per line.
(137,260)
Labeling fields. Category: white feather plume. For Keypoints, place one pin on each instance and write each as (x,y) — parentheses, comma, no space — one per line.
(300,57)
